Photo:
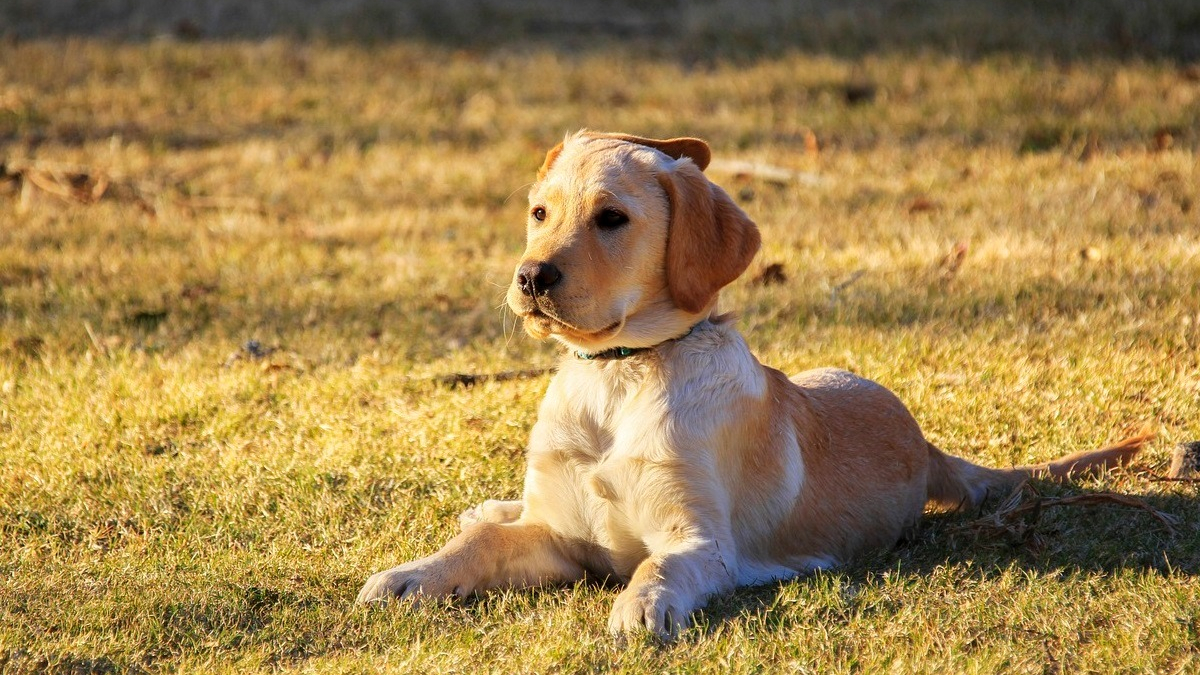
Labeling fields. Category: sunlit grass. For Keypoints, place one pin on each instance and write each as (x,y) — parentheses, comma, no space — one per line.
(170,502)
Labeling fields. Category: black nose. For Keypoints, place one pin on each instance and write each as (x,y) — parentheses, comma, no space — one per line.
(537,277)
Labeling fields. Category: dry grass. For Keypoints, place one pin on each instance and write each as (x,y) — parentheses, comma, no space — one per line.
(166,507)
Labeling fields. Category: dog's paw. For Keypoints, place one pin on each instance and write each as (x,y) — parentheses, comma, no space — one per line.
(648,607)
(415,581)
(470,516)
(491,511)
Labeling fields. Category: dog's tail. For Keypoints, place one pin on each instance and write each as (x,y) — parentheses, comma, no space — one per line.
(955,483)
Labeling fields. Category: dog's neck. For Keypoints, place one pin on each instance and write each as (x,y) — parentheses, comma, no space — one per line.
(617,353)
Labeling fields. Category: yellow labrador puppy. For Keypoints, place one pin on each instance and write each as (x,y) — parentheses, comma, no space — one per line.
(665,454)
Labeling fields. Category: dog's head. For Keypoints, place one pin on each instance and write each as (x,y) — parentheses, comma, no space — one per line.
(628,242)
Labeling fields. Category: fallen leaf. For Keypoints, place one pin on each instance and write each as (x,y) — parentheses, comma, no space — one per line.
(195,291)
(770,275)
(811,147)
(1163,139)
(923,205)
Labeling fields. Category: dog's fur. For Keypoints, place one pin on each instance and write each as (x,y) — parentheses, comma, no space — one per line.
(688,468)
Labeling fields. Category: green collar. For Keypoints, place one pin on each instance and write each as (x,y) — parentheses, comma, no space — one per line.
(618,353)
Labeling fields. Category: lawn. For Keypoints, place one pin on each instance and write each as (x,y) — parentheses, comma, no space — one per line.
(233,278)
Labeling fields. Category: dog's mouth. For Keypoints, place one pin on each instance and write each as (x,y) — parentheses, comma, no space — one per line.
(544,323)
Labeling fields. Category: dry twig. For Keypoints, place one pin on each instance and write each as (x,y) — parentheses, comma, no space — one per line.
(1020,512)
(770,173)
(69,183)
(836,291)
(455,380)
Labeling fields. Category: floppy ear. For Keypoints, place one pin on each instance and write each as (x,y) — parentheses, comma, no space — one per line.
(710,241)
(550,157)
(676,148)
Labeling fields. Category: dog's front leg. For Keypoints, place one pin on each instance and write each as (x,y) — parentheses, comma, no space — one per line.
(484,556)
(671,584)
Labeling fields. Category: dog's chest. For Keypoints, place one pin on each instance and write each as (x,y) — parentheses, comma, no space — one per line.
(588,470)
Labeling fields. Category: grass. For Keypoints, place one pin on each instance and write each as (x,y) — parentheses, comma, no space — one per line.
(694,30)
(171,503)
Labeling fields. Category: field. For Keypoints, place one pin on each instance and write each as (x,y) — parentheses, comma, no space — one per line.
(234,277)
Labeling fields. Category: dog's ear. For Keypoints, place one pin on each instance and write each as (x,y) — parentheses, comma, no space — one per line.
(710,241)
(550,157)
(675,148)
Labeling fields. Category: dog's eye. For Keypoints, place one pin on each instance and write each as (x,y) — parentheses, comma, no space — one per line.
(538,213)
(611,218)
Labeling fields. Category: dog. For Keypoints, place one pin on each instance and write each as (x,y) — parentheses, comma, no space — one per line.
(664,454)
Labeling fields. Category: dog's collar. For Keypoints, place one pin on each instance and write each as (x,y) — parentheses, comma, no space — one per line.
(618,353)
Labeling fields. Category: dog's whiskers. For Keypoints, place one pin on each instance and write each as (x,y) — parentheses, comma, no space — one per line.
(508,336)
(522,187)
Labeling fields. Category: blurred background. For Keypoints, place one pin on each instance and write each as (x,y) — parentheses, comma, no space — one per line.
(1064,28)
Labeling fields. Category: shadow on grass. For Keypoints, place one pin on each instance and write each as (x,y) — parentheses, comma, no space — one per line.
(694,32)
